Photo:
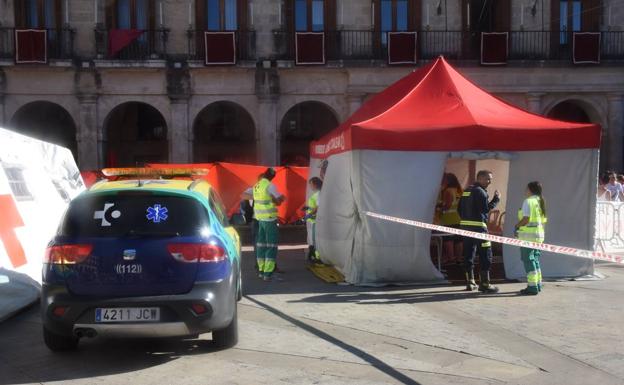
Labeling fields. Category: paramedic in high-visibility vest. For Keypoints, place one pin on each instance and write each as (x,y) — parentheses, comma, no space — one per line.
(473,210)
(311,208)
(530,227)
(266,199)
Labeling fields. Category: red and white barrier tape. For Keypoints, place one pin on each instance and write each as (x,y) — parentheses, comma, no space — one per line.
(505,240)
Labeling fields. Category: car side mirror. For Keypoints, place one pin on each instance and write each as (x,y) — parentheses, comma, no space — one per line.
(238,220)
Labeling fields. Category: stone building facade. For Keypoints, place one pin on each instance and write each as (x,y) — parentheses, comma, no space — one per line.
(156,99)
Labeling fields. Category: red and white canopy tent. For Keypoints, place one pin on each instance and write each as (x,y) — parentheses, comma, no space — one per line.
(389,156)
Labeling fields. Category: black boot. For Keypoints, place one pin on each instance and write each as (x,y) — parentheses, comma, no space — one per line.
(484,284)
(471,285)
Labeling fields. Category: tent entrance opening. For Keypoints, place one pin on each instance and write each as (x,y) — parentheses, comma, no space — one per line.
(459,173)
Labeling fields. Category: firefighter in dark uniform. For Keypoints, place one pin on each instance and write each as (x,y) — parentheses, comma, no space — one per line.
(473,210)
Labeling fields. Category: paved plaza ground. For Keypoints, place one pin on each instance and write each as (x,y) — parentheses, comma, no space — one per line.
(303,331)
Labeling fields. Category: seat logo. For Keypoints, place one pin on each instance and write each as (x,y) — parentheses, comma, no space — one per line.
(129,254)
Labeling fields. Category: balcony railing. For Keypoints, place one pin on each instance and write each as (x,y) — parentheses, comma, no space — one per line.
(60,43)
(245,45)
(456,45)
(151,44)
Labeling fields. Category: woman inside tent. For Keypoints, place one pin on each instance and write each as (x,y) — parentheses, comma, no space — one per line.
(532,218)
(450,194)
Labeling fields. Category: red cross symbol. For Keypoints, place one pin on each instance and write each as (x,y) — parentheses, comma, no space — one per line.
(10,219)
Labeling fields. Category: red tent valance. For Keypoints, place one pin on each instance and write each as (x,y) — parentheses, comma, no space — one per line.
(435,108)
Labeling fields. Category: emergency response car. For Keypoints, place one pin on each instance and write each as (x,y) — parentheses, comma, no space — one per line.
(142,258)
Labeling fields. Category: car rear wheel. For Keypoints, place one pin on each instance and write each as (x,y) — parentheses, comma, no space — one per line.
(228,337)
(59,343)
(239,292)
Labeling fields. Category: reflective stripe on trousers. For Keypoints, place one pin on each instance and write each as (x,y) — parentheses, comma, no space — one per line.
(473,223)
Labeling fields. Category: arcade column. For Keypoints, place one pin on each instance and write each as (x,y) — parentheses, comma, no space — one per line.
(87,133)
(615,120)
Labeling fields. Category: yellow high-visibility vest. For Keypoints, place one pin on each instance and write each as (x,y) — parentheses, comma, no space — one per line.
(533,231)
(264,208)
(451,216)
(312,204)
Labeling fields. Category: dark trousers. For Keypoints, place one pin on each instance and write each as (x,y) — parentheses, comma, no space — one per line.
(473,247)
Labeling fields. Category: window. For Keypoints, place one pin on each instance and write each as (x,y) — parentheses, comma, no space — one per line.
(311,15)
(221,15)
(38,14)
(217,207)
(15,176)
(130,14)
(566,16)
(134,214)
(571,16)
(395,16)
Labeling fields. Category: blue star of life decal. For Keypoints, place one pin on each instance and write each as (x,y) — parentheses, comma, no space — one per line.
(157,213)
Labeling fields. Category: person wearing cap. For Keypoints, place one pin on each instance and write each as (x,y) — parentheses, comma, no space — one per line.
(266,199)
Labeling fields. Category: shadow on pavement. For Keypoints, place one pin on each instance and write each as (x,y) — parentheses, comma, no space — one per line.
(398,298)
(296,279)
(31,361)
(372,360)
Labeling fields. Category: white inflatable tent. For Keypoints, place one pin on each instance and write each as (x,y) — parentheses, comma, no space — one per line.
(389,158)
(37,181)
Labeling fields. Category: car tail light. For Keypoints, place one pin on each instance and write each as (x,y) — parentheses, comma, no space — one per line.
(198,308)
(196,252)
(67,254)
(59,311)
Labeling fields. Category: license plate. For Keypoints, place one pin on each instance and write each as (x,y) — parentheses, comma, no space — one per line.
(127,314)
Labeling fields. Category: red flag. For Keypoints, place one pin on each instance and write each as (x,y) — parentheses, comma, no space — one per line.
(119,39)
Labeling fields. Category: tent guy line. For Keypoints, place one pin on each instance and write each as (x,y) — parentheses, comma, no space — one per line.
(597,255)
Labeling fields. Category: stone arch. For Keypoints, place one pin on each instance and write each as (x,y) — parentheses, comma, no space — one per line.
(302,123)
(581,111)
(224,131)
(592,112)
(135,133)
(46,121)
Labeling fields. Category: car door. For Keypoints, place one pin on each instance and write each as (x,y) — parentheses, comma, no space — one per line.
(220,213)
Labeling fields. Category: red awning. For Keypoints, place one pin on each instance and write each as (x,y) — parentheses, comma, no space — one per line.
(435,108)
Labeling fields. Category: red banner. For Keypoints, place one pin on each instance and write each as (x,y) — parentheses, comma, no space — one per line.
(119,39)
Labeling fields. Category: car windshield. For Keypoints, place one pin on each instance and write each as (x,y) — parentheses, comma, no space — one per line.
(142,214)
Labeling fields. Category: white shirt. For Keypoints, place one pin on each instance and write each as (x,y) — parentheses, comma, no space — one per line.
(615,189)
(526,210)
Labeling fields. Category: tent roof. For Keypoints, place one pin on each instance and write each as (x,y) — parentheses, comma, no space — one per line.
(435,108)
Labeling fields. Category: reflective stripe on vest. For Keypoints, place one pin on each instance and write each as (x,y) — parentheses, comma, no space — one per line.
(264,208)
(533,231)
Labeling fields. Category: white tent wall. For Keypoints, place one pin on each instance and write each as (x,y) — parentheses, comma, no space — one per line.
(569,181)
(368,250)
(402,184)
(336,217)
